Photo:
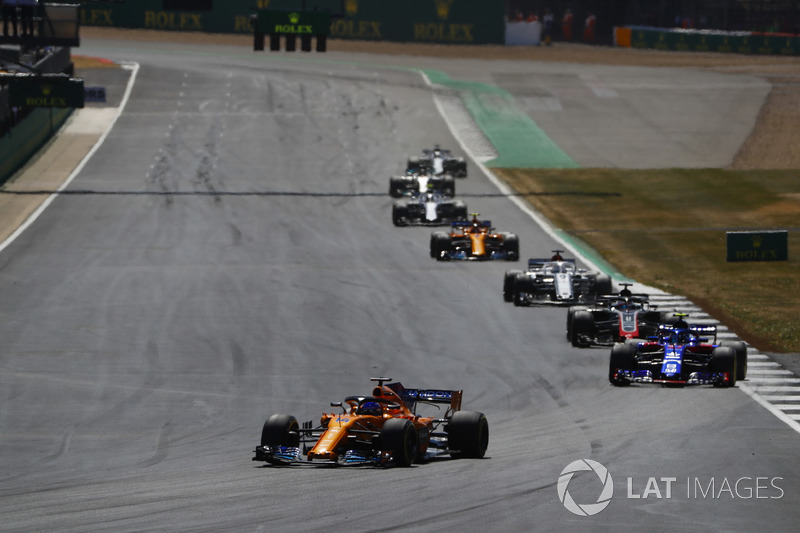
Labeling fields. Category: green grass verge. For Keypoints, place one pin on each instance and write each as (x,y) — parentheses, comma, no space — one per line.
(668,229)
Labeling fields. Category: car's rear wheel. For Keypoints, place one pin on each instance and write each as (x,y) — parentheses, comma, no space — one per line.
(522,286)
(602,285)
(623,357)
(740,350)
(508,284)
(723,359)
(440,242)
(399,437)
(582,328)
(468,435)
(399,214)
(511,246)
(280,430)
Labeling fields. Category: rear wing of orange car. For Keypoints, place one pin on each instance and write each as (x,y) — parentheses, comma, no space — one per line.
(411,396)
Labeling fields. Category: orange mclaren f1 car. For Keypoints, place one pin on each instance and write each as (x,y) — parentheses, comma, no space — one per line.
(380,429)
(475,240)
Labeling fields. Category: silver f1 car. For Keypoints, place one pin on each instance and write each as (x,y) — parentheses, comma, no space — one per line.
(418,182)
(428,209)
(554,281)
(438,162)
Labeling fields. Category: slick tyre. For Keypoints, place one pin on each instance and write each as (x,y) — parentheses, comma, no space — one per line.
(280,430)
(582,328)
(460,212)
(468,435)
(399,438)
(396,187)
(570,315)
(440,243)
(400,214)
(723,359)
(740,350)
(511,247)
(508,284)
(602,285)
(448,186)
(623,357)
(522,286)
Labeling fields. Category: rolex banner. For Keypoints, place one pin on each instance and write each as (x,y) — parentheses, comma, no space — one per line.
(428,21)
(758,246)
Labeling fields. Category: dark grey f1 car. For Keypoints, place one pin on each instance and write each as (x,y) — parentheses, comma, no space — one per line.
(437,162)
(614,318)
(428,209)
(415,182)
(553,281)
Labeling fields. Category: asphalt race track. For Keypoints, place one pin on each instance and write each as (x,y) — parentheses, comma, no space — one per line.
(228,253)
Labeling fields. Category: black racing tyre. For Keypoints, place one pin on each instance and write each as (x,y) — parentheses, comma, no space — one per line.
(396,187)
(399,437)
(400,214)
(522,285)
(570,314)
(602,285)
(668,318)
(623,357)
(440,242)
(280,430)
(460,212)
(468,435)
(511,246)
(740,350)
(456,166)
(447,186)
(508,284)
(723,359)
(582,327)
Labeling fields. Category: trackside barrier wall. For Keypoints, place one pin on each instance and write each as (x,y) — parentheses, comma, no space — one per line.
(707,41)
(32,132)
(428,21)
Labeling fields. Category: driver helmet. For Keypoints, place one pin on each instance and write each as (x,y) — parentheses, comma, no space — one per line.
(370,408)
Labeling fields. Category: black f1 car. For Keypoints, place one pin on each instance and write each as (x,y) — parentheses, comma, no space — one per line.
(614,318)
(415,182)
(379,429)
(475,240)
(679,355)
(553,281)
(437,162)
(428,209)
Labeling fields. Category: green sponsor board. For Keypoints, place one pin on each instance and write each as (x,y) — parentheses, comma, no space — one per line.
(293,22)
(430,21)
(758,246)
(45,91)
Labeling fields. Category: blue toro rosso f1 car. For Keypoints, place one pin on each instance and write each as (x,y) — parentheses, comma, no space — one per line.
(679,355)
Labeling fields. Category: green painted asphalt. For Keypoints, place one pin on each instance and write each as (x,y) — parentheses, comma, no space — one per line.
(519,142)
